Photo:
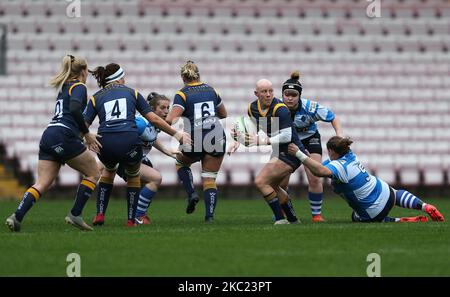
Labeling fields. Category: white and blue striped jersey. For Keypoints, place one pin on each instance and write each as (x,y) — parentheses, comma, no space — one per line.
(366,194)
(147,133)
(306,116)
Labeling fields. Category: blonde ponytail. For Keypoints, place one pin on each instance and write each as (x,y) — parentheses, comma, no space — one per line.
(71,68)
(189,72)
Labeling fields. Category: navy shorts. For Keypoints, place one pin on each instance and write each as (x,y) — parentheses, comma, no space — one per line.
(282,154)
(120,148)
(197,152)
(60,144)
(313,143)
(121,170)
(292,161)
(380,217)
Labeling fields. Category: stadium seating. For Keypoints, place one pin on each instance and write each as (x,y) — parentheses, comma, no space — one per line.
(386,78)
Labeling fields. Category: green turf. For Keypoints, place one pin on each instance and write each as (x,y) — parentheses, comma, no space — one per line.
(241,242)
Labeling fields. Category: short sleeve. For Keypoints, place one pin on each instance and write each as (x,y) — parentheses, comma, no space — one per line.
(90,112)
(78,92)
(142,105)
(337,170)
(180,100)
(284,117)
(219,99)
(323,113)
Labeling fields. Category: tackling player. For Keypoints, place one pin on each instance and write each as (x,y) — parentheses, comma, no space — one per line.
(116,105)
(370,197)
(150,177)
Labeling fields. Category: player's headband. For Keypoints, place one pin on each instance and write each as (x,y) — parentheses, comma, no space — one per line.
(292,86)
(116,76)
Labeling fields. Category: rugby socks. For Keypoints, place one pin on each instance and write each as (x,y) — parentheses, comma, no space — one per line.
(288,209)
(391,220)
(272,200)
(210,197)
(29,198)
(407,200)
(104,192)
(185,175)
(315,200)
(84,191)
(133,189)
(145,198)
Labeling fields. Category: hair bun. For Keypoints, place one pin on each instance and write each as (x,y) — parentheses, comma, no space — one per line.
(295,75)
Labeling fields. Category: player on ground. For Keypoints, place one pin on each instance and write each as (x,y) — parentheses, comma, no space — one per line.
(150,177)
(62,143)
(201,108)
(305,113)
(274,118)
(116,105)
(370,197)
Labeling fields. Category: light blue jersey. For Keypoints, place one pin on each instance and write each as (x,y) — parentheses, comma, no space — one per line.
(147,133)
(306,116)
(365,193)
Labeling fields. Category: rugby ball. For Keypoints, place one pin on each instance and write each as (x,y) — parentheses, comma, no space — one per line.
(244,125)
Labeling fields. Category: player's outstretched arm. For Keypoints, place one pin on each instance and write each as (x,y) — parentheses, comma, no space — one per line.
(315,167)
(182,137)
(160,147)
(336,123)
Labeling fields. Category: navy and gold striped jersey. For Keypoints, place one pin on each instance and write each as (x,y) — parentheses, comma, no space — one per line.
(265,120)
(199,102)
(72,90)
(116,107)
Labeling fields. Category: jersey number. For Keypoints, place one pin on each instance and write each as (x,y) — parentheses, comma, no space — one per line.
(59,108)
(116,109)
(204,109)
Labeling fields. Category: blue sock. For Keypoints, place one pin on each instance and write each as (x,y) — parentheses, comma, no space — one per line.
(103,194)
(315,200)
(185,175)
(84,191)
(288,209)
(145,198)
(28,200)
(407,200)
(210,196)
(276,208)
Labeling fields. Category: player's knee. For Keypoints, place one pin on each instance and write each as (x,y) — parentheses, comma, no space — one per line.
(260,182)
(315,182)
(158,179)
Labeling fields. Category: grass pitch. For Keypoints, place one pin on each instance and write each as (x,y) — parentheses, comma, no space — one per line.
(241,242)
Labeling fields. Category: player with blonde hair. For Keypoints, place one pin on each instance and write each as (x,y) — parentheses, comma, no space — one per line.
(62,143)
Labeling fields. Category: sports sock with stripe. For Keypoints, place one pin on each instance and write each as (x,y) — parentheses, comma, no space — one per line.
(29,198)
(84,191)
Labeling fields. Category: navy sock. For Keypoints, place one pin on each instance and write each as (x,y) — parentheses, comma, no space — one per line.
(288,209)
(133,189)
(28,200)
(276,208)
(145,198)
(210,196)
(185,175)
(407,200)
(390,220)
(315,200)
(103,195)
(84,191)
